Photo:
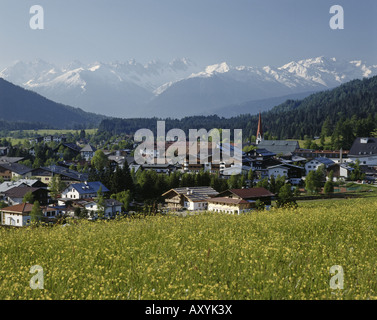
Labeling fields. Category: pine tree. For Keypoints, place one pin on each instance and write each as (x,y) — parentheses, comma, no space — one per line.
(36,213)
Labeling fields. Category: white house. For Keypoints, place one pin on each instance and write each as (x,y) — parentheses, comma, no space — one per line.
(193,198)
(314,164)
(17,216)
(83,190)
(278,170)
(229,205)
(87,152)
(364,150)
(20,215)
(111,208)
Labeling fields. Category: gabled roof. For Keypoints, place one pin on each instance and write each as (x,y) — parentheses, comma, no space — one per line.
(194,194)
(88,187)
(248,193)
(264,152)
(63,171)
(364,147)
(72,146)
(19,192)
(326,161)
(10,159)
(285,147)
(5,186)
(88,148)
(16,168)
(22,208)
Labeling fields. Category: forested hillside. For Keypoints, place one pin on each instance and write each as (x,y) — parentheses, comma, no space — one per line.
(343,113)
(22,109)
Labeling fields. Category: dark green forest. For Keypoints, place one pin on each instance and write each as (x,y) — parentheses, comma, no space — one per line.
(343,113)
(22,109)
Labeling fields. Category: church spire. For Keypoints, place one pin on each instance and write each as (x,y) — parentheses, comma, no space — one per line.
(260,130)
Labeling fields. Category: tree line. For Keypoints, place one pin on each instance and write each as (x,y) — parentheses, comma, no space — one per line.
(343,113)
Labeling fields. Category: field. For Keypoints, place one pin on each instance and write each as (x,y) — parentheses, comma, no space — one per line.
(277,254)
(44,132)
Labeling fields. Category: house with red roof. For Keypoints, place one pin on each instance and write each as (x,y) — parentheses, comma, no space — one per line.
(236,201)
(19,215)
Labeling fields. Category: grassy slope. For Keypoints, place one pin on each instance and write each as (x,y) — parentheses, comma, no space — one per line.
(43,132)
(282,254)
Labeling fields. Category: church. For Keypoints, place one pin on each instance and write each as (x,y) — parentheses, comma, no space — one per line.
(283,148)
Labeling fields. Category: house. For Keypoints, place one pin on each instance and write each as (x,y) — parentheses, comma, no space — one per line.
(87,152)
(249,194)
(160,168)
(20,215)
(285,148)
(4,151)
(337,156)
(193,198)
(83,190)
(67,175)
(111,208)
(7,185)
(278,170)
(14,170)
(15,195)
(117,159)
(6,159)
(36,140)
(340,171)
(292,172)
(48,138)
(17,215)
(314,164)
(72,148)
(59,139)
(228,205)
(364,150)
(236,201)
(234,170)
(196,166)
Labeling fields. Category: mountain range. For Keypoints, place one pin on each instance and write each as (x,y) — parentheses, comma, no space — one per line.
(181,87)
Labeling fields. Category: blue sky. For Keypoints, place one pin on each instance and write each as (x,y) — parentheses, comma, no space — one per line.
(241,32)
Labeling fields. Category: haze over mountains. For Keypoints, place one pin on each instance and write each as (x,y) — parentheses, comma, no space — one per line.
(22,109)
(181,88)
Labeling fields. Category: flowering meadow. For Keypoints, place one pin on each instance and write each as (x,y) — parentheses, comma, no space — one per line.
(276,254)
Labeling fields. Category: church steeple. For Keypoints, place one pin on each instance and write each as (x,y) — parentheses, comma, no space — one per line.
(260,130)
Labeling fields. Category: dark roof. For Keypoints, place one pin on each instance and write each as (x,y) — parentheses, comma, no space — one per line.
(88,187)
(10,159)
(265,152)
(72,146)
(16,167)
(326,161)
(284,147)
(248,193)
(364,147)
(194,193)
(19,192)
(63,171)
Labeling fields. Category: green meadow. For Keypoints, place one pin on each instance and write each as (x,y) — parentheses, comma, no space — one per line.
(276,254)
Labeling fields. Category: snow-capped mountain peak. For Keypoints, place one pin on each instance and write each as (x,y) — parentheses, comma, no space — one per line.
(179,86)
